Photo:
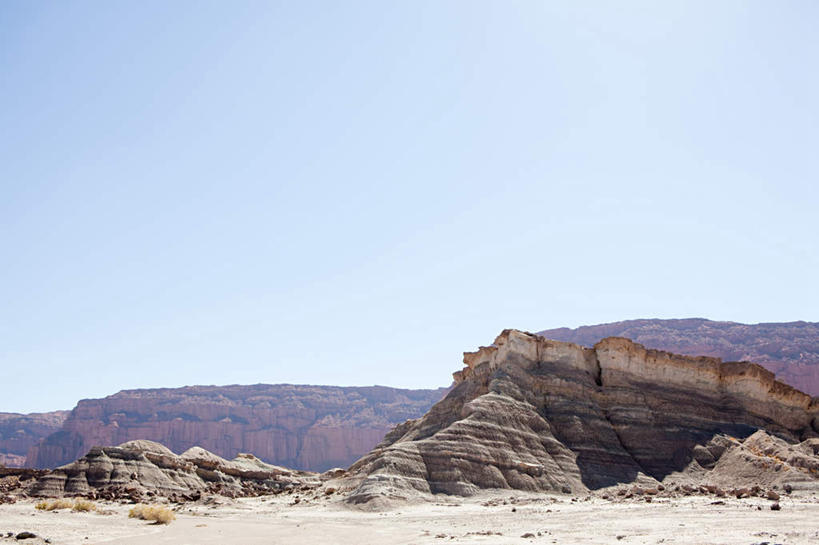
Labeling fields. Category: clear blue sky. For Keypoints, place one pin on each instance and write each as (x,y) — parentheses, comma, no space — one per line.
(356,192)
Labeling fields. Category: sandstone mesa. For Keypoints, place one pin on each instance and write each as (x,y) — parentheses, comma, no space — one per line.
(533,414)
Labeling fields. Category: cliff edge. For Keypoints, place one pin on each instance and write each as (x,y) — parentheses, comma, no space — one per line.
(534,414)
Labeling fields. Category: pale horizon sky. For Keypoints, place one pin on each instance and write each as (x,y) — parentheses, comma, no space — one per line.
(354,193)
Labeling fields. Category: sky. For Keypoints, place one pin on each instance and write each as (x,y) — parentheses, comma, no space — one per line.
(355,193)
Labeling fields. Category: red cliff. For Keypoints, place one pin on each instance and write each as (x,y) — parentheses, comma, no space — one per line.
(19,432)
(303,427)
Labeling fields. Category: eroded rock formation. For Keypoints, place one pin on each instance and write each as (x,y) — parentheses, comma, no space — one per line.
(534,414)
(137,470)
(303,427)
(790,350)
(19,432)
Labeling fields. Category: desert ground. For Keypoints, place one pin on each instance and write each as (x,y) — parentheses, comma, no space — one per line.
(489,518)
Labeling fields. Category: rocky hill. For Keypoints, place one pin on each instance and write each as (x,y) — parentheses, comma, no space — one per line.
(540,415)
(302,427)
(19,432)
(790,350)
(139,470)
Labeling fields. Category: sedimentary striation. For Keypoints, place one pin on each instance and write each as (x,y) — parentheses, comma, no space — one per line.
(19,432)
(138,470)
(540,415)
(790,350)
(303,427)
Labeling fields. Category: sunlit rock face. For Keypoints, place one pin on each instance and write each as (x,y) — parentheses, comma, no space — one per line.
(535,414)
(19,432)
(790,350)
(302,427)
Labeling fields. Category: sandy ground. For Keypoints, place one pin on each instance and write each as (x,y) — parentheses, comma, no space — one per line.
(486,519)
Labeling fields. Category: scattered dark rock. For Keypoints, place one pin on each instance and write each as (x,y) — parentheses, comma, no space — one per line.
(775,506)
(771,495)
(25,535)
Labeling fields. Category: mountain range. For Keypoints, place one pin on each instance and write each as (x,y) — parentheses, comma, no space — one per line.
(319,427)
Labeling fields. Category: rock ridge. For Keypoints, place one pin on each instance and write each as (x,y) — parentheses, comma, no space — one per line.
(537,414)
(790,350)
(140,470)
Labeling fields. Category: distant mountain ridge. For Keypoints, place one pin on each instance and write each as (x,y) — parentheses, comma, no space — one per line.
(297,426)
(790,350)
(19,432)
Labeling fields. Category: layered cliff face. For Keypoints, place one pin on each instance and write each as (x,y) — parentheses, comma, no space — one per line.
(534,414)
(139,469)
(19,432)
(303,427)
(790,350)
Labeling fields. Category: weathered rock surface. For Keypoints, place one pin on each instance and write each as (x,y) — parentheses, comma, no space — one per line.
(790,350)
(304,427)
(534,414)
(14,480)
(19,432)
(138,470)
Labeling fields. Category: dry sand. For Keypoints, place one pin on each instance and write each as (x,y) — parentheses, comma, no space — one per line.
(484,519)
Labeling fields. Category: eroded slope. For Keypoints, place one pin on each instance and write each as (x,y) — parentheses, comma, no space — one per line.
(533,414)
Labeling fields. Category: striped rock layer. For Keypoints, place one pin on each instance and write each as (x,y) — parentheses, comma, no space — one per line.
(534,414)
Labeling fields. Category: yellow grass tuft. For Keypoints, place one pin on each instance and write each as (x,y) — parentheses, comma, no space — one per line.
(53,505)
(84,506)
(156,513)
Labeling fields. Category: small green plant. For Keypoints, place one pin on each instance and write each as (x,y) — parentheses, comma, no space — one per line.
(155,513)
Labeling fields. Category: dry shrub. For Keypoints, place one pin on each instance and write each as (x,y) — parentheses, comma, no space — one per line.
(53,505)
(84,506)
(156,513)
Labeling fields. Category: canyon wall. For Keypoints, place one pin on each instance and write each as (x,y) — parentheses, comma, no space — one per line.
(301,427)
(790,350)
(19,432)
